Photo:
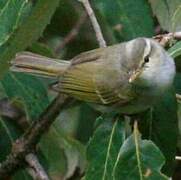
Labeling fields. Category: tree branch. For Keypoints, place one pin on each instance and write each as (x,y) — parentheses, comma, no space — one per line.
(27,143)
(95,24)
(35,169)
(164,39)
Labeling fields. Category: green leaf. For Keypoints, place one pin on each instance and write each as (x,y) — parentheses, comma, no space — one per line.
(103,149)
(125,18)
(168,13)
(10,15)
(139,159)
(21,175)
(27,32)
(177,83)
(62,153)
(175,50)
(42,49)
(2,3)
(86,118)
(165,122)
(6,138)
(28,90)
(161,126)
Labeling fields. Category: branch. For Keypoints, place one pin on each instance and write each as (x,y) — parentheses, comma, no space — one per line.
(164,39)
(72,34)
(178,97)
(94,22)
(27,143)
(35,169)
(178,158)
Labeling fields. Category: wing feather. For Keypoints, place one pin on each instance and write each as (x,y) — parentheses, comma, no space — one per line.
(81,81)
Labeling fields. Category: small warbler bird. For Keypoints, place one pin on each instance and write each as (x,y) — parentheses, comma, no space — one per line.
(128,77)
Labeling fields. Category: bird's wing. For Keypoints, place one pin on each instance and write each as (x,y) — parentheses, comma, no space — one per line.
(81,82)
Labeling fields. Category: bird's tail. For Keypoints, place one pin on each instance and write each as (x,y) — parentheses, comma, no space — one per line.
(36,64)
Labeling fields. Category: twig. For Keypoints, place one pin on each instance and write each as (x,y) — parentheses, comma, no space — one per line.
(178,158)
(72,34)
(164,39)
(27,143)
(35,168)
(94,22)
(178,97)
(9,110)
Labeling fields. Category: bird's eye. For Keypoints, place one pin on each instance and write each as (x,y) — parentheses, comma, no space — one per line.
(146,59)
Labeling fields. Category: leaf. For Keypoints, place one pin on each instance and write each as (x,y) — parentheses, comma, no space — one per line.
(28,90)
(27,32)
(6,139)
(103,149)
(168,13)
(165,122)
(59,154)
(2,3)
(111,156)
(63,154)
(175,50)
(8,134)
(10,15)
(161,126)
(177,83)
(86,118)
(21,175)
(125,18)
(139,159)
(179,122)
(42,49)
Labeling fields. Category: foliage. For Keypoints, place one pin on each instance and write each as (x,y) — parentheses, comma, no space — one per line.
(123,21)
(168,14)
(83,141)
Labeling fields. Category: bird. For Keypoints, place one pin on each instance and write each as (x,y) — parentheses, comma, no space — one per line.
(127,78)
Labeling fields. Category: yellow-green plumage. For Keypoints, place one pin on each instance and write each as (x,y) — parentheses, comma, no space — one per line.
(117,76)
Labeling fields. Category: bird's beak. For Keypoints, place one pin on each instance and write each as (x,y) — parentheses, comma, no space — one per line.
(135,75)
